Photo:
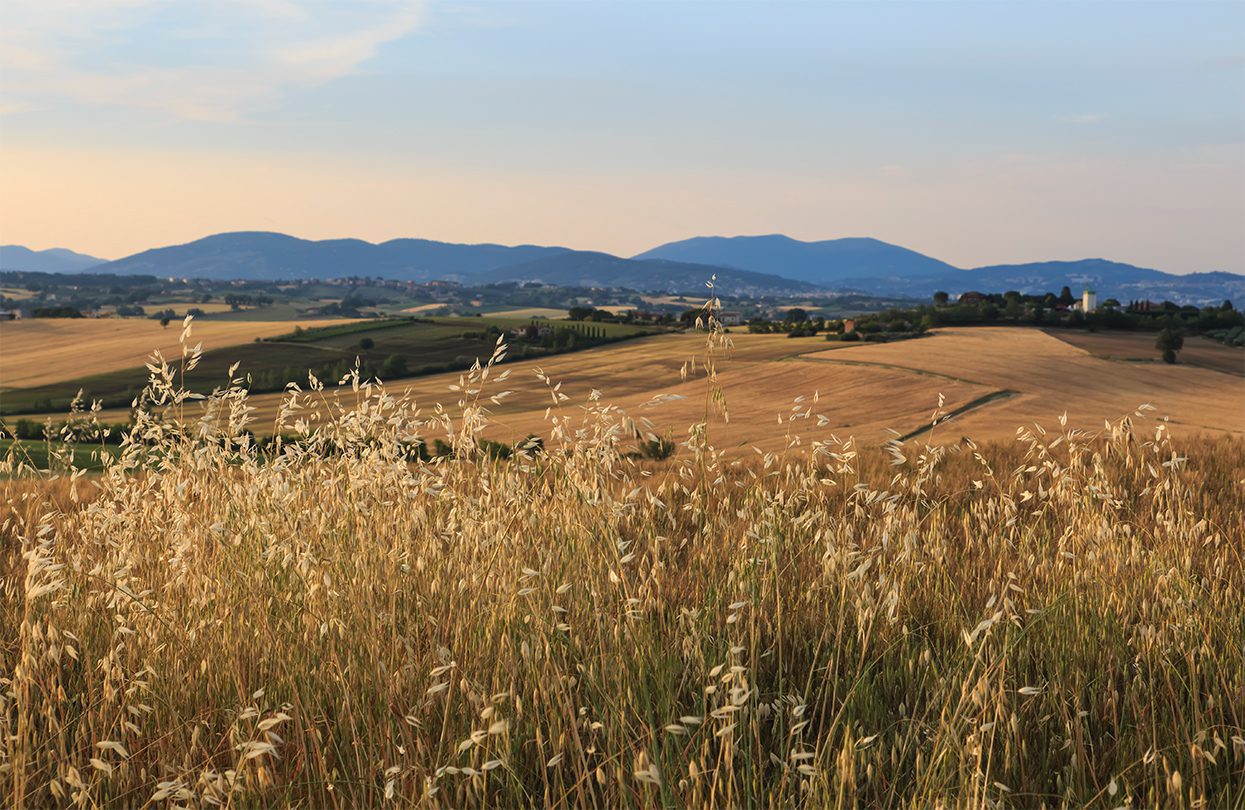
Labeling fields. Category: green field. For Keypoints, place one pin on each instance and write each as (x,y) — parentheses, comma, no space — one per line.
(425,346)
(36,454)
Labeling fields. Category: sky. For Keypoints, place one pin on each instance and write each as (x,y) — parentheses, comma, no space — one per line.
(975,132)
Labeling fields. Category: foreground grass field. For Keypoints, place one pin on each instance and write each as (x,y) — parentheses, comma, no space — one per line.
(1055,620)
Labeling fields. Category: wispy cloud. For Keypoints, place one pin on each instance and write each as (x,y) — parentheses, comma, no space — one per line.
(213,61)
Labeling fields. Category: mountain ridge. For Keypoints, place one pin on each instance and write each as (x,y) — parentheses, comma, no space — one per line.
(817,262)
(265,255)
(744,265)
(51,260)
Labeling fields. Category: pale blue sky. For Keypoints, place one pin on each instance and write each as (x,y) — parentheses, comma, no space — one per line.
(977,132)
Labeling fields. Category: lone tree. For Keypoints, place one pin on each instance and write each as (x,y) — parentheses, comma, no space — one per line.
(394,366)
(1169,342)
(797,315)
(367,344)
(1014,308)
(941,298)
(1065,296)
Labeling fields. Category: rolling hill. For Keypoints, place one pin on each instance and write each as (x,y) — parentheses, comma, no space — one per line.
(877,268)
(53,260)
(271,256)
(821,263)
(583,268)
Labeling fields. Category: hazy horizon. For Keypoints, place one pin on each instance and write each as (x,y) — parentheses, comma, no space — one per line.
(974,133)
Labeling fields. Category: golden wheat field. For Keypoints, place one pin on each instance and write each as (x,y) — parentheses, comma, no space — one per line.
(1005,377)
(46,350)
(1139,347)
(1041,375)
(1053,620)
(992,380)
(642,376)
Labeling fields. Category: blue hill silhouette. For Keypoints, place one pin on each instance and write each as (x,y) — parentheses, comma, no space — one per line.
(53,260)
(756,265)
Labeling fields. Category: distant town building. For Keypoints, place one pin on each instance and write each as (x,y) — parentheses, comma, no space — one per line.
(730,317)
(1089,300)
(849,326)
(10,314)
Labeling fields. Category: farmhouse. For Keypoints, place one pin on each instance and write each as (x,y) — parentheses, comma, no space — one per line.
(731,317)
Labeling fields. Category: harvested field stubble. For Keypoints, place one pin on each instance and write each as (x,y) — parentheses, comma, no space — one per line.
(38,351)
(1050,621)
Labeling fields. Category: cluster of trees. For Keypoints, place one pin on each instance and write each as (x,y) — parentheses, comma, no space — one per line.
(236,301)
(1014,308)
(630,316)
(80,432)
(530,294)
(1048,309)
(1170,321)
(893,324)
(554,336)
(350,306)
(1234,336)
(795,322)
(56,312)
(81,291)
(84,291)
(591,314)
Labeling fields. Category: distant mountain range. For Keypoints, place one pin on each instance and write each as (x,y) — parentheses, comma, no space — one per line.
(53,260)
(744,265)
(821,263)
(273,256)
(879,268)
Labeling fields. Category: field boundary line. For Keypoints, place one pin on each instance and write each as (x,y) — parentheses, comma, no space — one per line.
(993,396)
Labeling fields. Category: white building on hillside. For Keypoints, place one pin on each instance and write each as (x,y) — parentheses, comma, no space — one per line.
(1089,300)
